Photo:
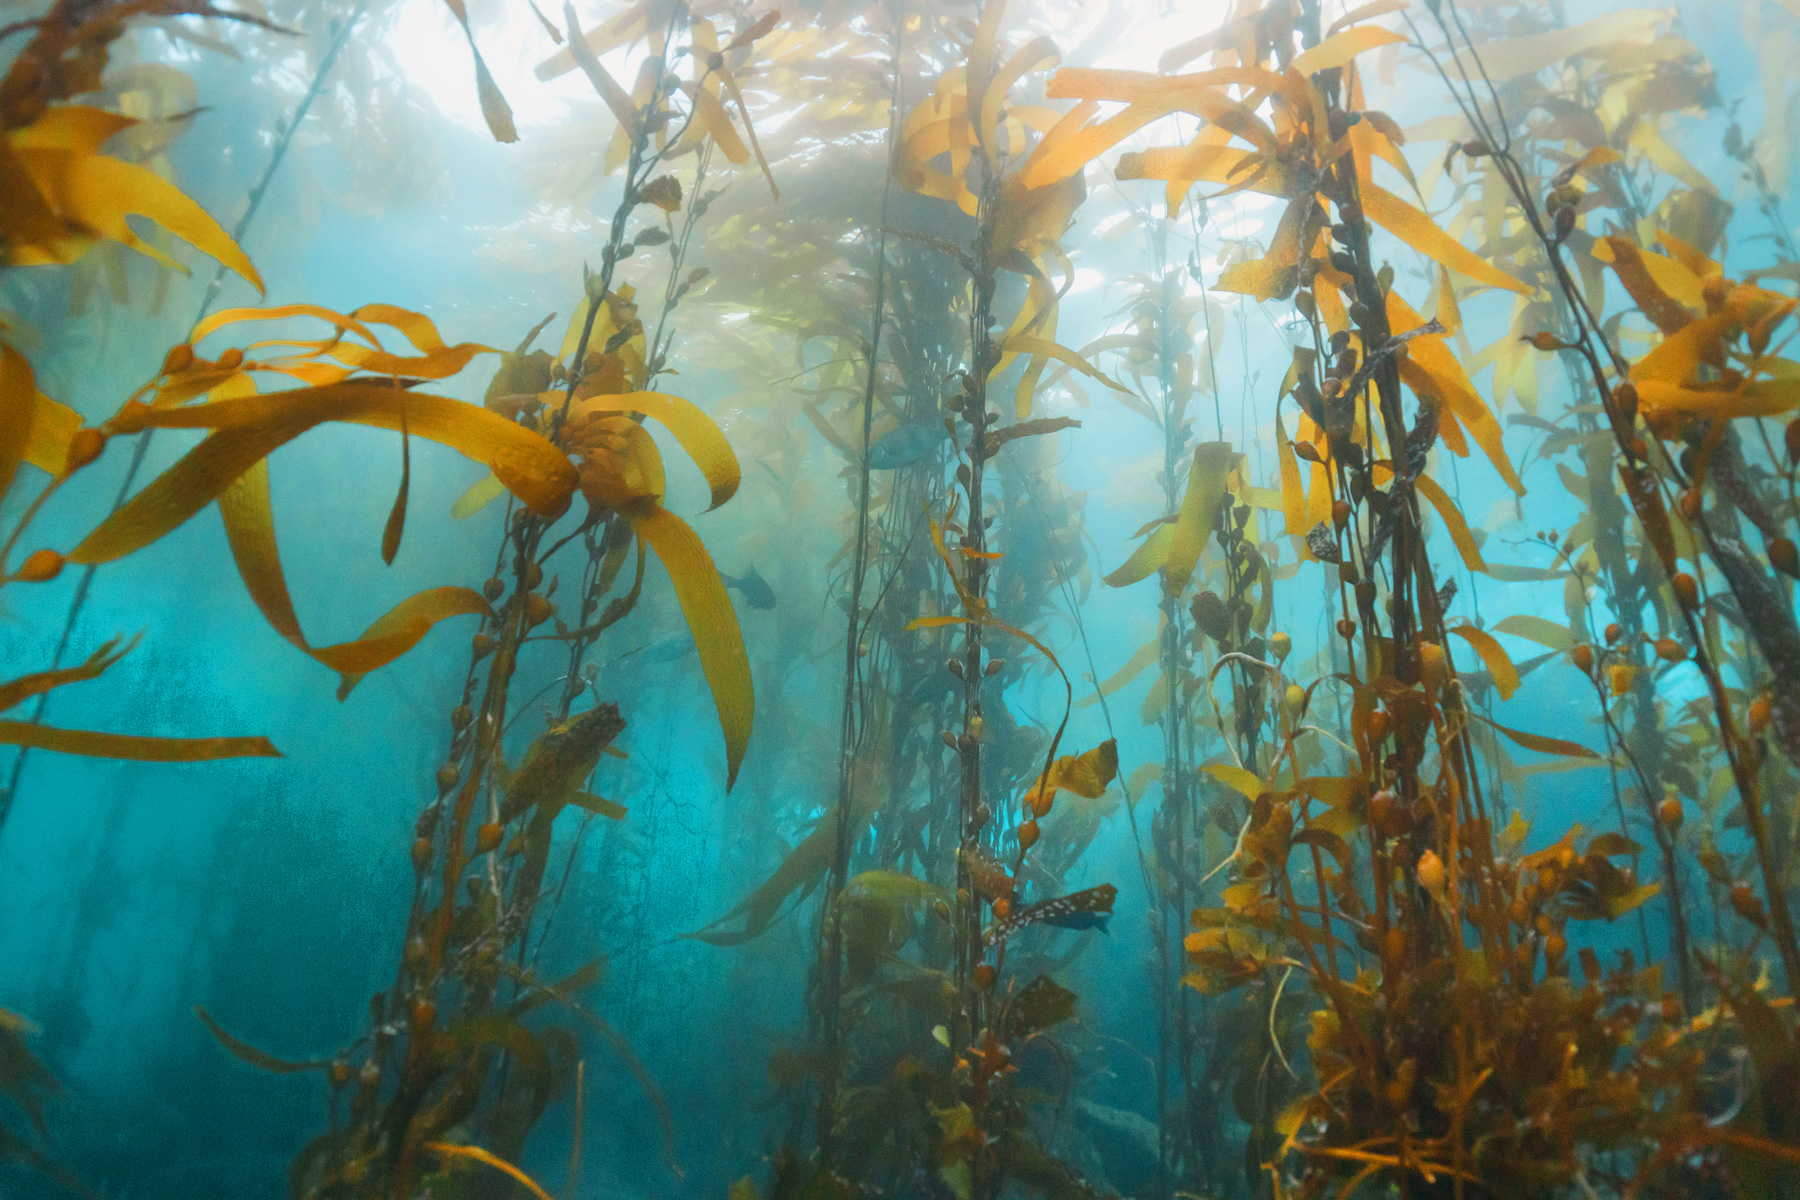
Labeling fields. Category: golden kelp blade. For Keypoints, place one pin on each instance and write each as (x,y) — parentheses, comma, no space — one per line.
(262,1060)
(250,531)
(711,620)
(39,682)
(479,1155)
(494,109)
(696,432)
(93,193)
(1499,663)
(135,747)
(18,412)
(249,429)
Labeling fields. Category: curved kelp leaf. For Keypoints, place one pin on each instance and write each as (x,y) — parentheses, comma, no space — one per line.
(710,618)
(262,1060)
(696,432)
(134,747)
(249,429)
(93,194)
(250,531)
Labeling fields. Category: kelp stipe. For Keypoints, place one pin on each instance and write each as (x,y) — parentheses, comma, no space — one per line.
(452,1076)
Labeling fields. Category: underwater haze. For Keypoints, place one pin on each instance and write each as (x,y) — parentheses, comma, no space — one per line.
(901,600)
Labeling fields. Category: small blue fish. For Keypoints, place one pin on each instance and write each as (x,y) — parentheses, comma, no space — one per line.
(753,588)
(909,444)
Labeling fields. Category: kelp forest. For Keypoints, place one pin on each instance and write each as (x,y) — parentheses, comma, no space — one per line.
(909,600)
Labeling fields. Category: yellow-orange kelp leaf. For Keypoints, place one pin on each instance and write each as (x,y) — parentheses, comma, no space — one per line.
(698,434)
(1499,663)
(1760,398)
(250,531)
(33,428)
(1340,48)
(92,194)
(620,461)
(1293,491)
(711,620)
(1038,54)
(249,429)
(1041,348)
(581,53)
(18,412)
(1150,555)
(494,109)
(1273,274)
(1199,511)
(1647,291)
(477,1154)
(1423,234)
(1533,52)
(1088,775)
(1069,147)
(437,360)
(27,686)
(135,747)
(400,629)
(1453,521)
(1430,369)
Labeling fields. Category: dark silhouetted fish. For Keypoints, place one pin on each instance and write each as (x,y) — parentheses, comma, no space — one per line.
(909,444)
(753,588)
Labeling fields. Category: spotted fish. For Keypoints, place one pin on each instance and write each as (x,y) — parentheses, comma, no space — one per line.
(1087,909)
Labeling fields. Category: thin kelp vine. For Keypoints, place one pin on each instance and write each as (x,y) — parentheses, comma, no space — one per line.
(1315,479)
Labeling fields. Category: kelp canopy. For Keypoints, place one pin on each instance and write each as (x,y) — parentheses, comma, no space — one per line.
(927,599)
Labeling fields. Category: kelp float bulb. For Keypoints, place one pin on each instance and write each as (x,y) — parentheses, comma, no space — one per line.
(447,776)
(1762,710)
(994,667)
(1686,589)
(1583,657)
(1625,403)
(955,667)
(1002,908)
(1692,501)
(424,1016)
(1346,628)
(537,609)
(1670,650)
(1432,876)
(460,716)
(1434,665)
(178,359)
(1791,438)
(1340,513)
(1555,946)
(231,359)
(41,567)
(983,814)
(1028,834)
(1613,633)
(1281,644)
(534,574)
(493,589)
(1670,813)
(487,838)
(340,1073)
(1748,904)
(1381,723)
(984,976)
(1295,699)
(84,447)
(481,645)
(1784,558)
(1387,814)
(421,853)
(949,738)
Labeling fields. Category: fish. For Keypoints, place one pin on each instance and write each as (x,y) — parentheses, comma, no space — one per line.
(753,588)
(911,443)
(673,648)
(1090,908)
